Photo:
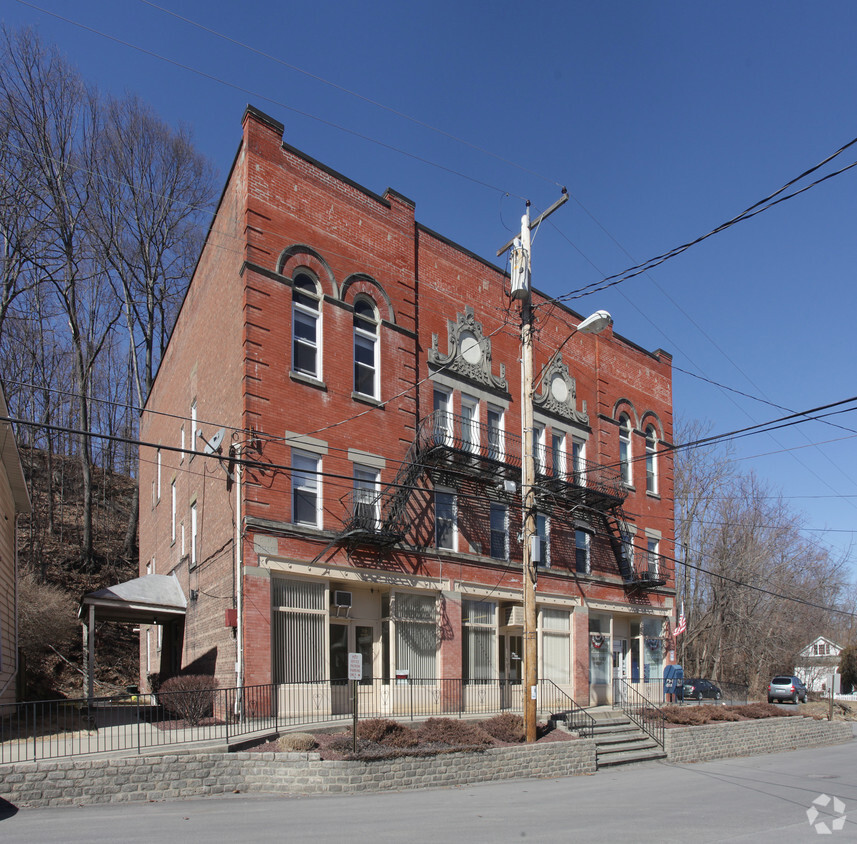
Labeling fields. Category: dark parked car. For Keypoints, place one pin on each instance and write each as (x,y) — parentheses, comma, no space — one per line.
(697,689)
(784,687)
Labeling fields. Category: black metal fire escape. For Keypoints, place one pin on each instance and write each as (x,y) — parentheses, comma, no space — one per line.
(445,442)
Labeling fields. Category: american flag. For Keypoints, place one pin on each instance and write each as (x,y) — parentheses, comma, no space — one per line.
(682,622)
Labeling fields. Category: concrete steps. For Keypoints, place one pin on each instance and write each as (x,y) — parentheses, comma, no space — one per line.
(619,741)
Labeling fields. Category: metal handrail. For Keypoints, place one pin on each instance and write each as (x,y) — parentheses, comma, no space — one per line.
(576,717)
(646,715)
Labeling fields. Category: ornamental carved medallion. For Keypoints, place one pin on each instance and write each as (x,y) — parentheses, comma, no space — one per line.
(468,353)
(558,393)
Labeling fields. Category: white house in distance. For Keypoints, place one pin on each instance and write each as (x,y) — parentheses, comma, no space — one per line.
(818,665)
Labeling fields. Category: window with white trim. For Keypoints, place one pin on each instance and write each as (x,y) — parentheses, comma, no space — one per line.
(469,423)
(445,528)
(557,466)
(578,459)
(544,539)
(306,492)
(367,497)
(625,449)
(193,536)
(306,319)
(442,416)
(159,475)
(480,640)
(366,350)
(499,531)
(172,511)
(193,428)
(651,460)
(653,556)
(494,425)
(539,447)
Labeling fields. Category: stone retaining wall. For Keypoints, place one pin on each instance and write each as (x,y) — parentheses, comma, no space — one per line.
(71,782)
(749,738)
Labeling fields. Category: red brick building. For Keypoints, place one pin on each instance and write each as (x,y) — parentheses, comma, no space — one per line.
(365,497)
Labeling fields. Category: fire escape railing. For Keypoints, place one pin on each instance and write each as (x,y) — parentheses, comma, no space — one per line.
(444,440)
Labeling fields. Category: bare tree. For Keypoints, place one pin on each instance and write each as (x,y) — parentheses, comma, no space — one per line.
(155,190)
(54,120)
(754,588)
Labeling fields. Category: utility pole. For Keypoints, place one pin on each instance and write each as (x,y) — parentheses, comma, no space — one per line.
(520,282)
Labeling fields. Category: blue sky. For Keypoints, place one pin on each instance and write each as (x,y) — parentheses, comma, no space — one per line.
(663,119)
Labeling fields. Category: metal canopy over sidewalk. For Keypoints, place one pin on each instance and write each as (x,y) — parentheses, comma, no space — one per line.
(151,599)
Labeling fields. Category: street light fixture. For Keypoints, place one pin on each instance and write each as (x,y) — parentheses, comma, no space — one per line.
(521,267)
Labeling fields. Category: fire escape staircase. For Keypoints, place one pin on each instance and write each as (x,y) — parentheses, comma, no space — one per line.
(444,442)
(637,576)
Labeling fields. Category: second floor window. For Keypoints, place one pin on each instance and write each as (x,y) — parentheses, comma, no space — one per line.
(305,326)
(652,556)
(367,508)
(499,532)
(543,536)
(306,500)
(444,520)
(365,349)
(581,551)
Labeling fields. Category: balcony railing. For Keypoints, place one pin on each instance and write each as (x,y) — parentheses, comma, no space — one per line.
(556,469)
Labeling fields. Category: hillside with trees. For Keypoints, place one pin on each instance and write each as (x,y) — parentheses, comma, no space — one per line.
(103,211)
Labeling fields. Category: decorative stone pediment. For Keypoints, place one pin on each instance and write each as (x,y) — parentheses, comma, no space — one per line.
(558,393)
(469,352)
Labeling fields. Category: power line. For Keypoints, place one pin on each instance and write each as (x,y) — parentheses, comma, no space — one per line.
(756,208)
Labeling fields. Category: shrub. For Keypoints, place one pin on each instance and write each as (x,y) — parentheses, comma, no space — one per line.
(692,716)
(449,731)
(507,727)
(190,696)
(722,713)
(388,732)
(296,742)
(761,710)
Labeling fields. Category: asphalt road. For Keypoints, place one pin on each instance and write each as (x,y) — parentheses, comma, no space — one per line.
(761,798)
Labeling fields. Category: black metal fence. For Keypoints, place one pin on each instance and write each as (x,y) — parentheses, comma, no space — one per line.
(134,723)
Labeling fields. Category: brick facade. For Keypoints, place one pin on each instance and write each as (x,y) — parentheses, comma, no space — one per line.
(293,240)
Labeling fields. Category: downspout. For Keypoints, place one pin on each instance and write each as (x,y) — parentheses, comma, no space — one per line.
(239,588)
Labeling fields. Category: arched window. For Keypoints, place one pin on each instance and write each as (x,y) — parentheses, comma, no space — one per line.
(625,449)
(306,334)
(651,460)
(366,379)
